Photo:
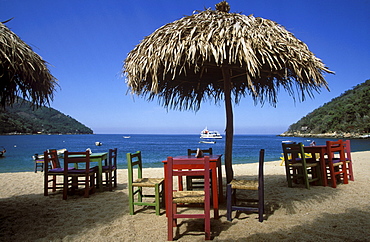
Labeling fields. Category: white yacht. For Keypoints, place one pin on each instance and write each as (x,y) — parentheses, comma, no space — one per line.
(206,134)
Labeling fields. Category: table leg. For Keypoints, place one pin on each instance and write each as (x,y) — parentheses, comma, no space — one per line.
(99,175)
(215,193)
(220,188)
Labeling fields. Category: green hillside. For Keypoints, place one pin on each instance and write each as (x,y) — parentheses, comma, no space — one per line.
(21,118)
(347,114)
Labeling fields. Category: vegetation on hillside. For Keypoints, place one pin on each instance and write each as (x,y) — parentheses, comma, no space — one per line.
(22,118)
(348,113)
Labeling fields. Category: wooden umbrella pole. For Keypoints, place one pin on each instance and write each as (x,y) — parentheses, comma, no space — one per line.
(229,125)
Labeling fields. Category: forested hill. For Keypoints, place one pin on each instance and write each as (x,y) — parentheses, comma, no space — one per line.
(21,118)
(345,116)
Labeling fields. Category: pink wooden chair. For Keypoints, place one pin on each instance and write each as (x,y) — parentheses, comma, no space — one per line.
(336,162)
(175,197)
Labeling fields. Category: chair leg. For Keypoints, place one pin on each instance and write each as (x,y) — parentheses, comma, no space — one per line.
(170,221)
(110,180)
(157,200)
(115,178)
(65,188)
(288,176)
(350,171)
(305,178)
(131,199)
(229,201)
(261,204)
(87,186)
(332,176)
(345,174)
(207,223)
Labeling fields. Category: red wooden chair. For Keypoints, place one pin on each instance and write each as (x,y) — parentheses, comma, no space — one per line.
(174,197)
(347,153)
(194,182)
(52,171)
(336,162)
(80,176)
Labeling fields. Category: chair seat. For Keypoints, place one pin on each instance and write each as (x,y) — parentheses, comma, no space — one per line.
(336,162)
(80,171)
(147,182)
(59,170)
(244,184)
(307,164)
(188,197)
(106,168)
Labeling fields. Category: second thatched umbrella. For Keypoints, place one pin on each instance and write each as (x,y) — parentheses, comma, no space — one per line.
(23,73)
(219,55)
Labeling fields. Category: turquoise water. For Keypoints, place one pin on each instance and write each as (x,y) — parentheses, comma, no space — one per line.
(155,148)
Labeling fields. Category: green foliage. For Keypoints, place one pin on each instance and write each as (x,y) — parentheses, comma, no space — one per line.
(21,117)
(348,113)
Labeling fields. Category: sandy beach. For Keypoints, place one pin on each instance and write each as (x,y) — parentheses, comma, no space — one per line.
(293,214)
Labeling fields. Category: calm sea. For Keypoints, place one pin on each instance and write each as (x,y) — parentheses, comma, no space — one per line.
(154,148)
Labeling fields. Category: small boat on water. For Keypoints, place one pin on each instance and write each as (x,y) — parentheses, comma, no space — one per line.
(98,143)
(207,134)
(207,142)
(126,137)
(2,151)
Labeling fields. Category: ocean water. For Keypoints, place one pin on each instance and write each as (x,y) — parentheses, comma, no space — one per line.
(154,148)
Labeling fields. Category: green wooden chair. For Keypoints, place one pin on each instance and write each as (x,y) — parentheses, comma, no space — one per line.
(298,167)
(136,185)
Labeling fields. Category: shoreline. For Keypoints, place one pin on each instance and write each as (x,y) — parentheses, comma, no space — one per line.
(326,135)
(320,213)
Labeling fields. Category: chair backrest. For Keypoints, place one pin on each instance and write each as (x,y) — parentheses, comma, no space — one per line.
(347,149)
(134,159)
(205,151)
(51,157)
(334,148)
(112,158)
(82,158)
(55,163)
(187,169)
(294,153)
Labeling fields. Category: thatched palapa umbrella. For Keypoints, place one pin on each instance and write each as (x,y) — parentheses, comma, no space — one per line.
(219,55)
(22,72)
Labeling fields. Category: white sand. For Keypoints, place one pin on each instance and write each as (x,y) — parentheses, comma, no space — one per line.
(294,214)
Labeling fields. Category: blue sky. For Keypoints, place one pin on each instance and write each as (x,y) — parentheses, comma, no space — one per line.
(86,42)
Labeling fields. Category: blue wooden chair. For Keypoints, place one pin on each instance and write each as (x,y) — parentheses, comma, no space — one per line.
(258,185)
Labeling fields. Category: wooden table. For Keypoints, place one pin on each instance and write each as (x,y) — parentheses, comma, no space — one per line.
(321,150)
(215,166)
(98,157)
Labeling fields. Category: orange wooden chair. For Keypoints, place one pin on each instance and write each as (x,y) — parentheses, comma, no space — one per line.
(175,197)
(336,162)
(84,176)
